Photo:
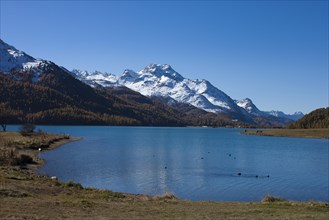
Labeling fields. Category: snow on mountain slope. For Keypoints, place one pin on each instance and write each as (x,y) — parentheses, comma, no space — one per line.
(164,81)
(13,59)
(250,107)
(95,78)
(295,116)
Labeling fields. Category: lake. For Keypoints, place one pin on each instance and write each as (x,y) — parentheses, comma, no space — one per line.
(193,163)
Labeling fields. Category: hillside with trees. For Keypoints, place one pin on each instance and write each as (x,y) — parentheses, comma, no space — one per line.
(60,99)
(318,118)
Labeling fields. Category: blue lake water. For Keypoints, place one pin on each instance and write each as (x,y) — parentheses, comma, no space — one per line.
(192,163)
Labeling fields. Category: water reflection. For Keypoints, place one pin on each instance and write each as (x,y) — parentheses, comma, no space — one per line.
(197,164)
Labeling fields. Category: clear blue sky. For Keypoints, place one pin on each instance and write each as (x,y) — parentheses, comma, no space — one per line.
(274,52)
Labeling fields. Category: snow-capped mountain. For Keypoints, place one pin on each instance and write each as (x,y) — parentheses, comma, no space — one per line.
(96,78)
(52,94)
(13,59)
(154,80)
(250,107)
(294,117)
(56,97)
(163,81)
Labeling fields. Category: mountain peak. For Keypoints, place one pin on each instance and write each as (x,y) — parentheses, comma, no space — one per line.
(249,106)
(159,70)
(247,100)
(157,67)
(129,75)
(80,73)
(11,58)
(295,116)
(298,113)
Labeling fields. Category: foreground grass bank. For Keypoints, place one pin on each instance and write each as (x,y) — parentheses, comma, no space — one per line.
(26,195)
(304,133)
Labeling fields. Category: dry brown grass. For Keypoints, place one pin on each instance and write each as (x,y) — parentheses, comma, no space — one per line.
(16,149)
(304,133)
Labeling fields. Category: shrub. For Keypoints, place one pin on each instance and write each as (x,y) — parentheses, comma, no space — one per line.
(12,157)
(9,157)
(167,196)
(27,129)
(73,185)
(270,198)
(34,144)
(7,143)
(25,159)
(41,132)
(117,195)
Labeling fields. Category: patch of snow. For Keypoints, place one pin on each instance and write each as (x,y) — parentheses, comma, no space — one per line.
(249,106)
(11,58)
(96,78)
(295,116)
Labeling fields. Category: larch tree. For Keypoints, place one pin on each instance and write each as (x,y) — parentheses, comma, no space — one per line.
(3,116)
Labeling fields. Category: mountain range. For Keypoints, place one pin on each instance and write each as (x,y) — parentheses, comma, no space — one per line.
(40,91)
(163,81)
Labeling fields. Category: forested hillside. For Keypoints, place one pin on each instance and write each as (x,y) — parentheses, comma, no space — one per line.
(318,118)
(58,98)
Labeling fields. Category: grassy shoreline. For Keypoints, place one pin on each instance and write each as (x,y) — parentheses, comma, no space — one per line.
(40,197)
(302,133)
